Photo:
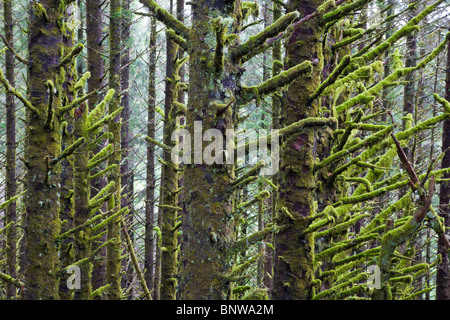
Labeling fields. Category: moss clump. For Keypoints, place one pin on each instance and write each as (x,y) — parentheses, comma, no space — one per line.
(256,294)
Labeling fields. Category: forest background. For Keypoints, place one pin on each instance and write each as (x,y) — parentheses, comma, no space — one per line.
(93,207)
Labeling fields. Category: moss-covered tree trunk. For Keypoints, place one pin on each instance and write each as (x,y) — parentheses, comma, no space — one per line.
(409,90)
(443,270)
(207,225)
(294,252)
(82,244)
(149,243)
(126,170)
(113,250)
(95,66)
(43,144)
(67,164)
(276,107)
(169,211)
(10,174)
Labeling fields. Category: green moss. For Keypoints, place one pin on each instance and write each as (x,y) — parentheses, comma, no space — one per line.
(39,10)
(256,42)
(98,112)
(256,294)
(164,16)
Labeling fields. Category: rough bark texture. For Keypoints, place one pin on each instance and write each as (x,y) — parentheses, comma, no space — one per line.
(67,164)
(294,252)
(113,251)
(126,166)
(150,174)
(169,193)
(443,270)
(43,143)
(409,92)
(82,244)
(11,215)
(207,225)
(95,66)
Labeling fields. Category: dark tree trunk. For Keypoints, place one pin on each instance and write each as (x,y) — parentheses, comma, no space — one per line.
(113,250)
(294,252)
(126,167)
(11,215)
(43,143)
(95,66)
(150,174)
(443,269)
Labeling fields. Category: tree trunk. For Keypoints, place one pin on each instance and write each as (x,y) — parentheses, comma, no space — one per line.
(294,252)
(150,174)
(113,250)
(169,192)
(125,168)
(11,214)
(43,143)
(207,225)
(443,269)
(95,66)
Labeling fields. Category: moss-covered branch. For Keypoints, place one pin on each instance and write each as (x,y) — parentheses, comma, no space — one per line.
(9,279)
(177,39)
(13,91)
(10,47)
(372,139)
(105,120)
(72,54)
(254,238)
(343,10)
(402,32)
(332,77)
(99,291)
(255,44)
(395,237)
(11,200)
(272,84)
(68,151)
(165,17)
(136,263)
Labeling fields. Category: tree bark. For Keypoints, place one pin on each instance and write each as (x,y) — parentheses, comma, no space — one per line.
(169,192)
(443,269)
(126,166)
(150,173)
(11,187)
(43,143)
(95,65)
(294,252)
(113,251)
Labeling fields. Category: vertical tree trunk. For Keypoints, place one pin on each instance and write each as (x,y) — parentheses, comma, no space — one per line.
(82,244)
(207,207)
(294,252)
(182,100)
(150,175)
(67,165)
(169,192)
(125,168)
(113,251)
(10,174)
(409,88)
(443,269)
(276,107)
(43,143)
(95,66)
(387,104)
